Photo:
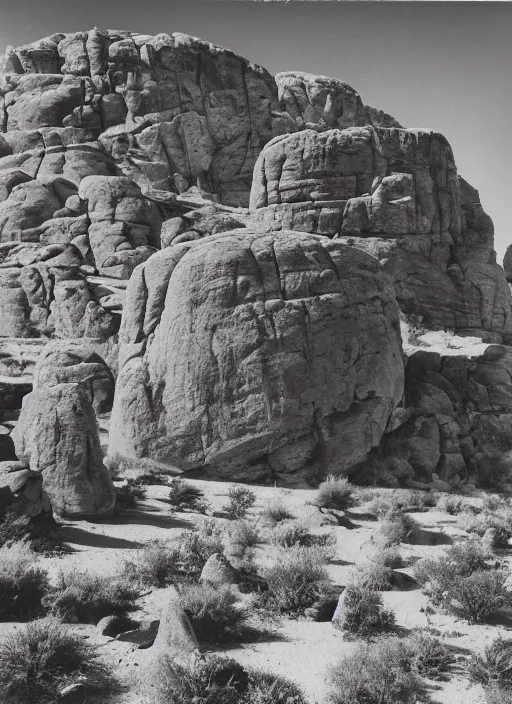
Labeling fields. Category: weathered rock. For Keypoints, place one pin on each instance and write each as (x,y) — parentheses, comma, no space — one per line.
(143,636)
(223,359)
(175,637)
(57,435)
(395,194)
(218,571)
(113,625)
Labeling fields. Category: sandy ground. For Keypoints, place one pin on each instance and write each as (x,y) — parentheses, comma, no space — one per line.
(301,650)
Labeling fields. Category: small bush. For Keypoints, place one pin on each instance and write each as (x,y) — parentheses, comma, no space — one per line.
(380,673)
(40,658)
(495,502)
(362,612)
(143,469)
(396,527)
(129,494)
(266,688)
(85,598)
(372,575)
(242,535)
(499,523)
(22,583)
(432,658)
(184,496)
(275,511)
(240,501)
(334,492)
(13,528)
(214,612)
(289,533)
(390,557)
(481,594)
(208,680)
(453,504)
(155,565)
(494,667)
(198,545)
(296,580)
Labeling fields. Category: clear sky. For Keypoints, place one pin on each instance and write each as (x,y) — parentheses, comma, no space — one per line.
(442,65)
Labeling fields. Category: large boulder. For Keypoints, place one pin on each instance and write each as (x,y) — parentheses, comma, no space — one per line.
(257,357)
(57,435)
(395,194)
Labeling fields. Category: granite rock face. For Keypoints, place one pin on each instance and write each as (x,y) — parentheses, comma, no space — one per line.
(257,357)
(395,194)
(57,433)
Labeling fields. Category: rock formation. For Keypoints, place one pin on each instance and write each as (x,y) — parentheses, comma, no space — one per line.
(257,356)
(260,237)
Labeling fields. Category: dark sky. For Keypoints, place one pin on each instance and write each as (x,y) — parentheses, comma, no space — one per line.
(441,65)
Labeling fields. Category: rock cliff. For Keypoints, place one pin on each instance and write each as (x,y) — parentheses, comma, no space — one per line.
(237,249)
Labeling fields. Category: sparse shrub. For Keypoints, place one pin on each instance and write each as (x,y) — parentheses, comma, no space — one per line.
(494,667)
(334,492)
(453,504)
(156,564)
(379,673)
(296,580)
(129,494)
(495,502)
(40,658)
(85,598)
(372,575)
(22,583)
(499,523)
(481,594)
(289,533)
(275,511)
(242,535)
(143,469)
(390,557)
(240,501)
(184,496)
(214,612)
(266,688)
(396,527)
(160,563)
(363,613)
(209,679)
(432,658)
(13,528)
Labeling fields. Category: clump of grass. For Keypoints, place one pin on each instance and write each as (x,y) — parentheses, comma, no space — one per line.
(212,679)
(494,667)
(241,499)
(36,661)
(500,523)
(464,581)
(214,612)
(160,563)
(380,673)
(85,598)
(143,469)
(242,536)
(362,612)
(23,583)
(432,658)
(289,533)
(396,527)
(184,496)
(296,580)
(372,575)
(335,493)
(453,504)
(275,511)
(129,494)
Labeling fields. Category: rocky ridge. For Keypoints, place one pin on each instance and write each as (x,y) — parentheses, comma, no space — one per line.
(237,249)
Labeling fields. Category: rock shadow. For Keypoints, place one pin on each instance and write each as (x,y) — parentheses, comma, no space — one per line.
(79,536)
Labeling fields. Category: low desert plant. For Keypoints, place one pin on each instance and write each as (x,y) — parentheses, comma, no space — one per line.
(289,533)
(454,504)
(184,496)
(396,527)
(334,492)
(214,612)
(266,688)
(275,511)
(23,583)
(14,528)
(500,523)
(85,598)
(494,667)
(143,469)
(241,499)
(379,673)
(209,679)
(481,594)
(129,494)
(362,612)
(156,564)
(372,575)
(296,580)
(241,537)
(431,657)
(40,658)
